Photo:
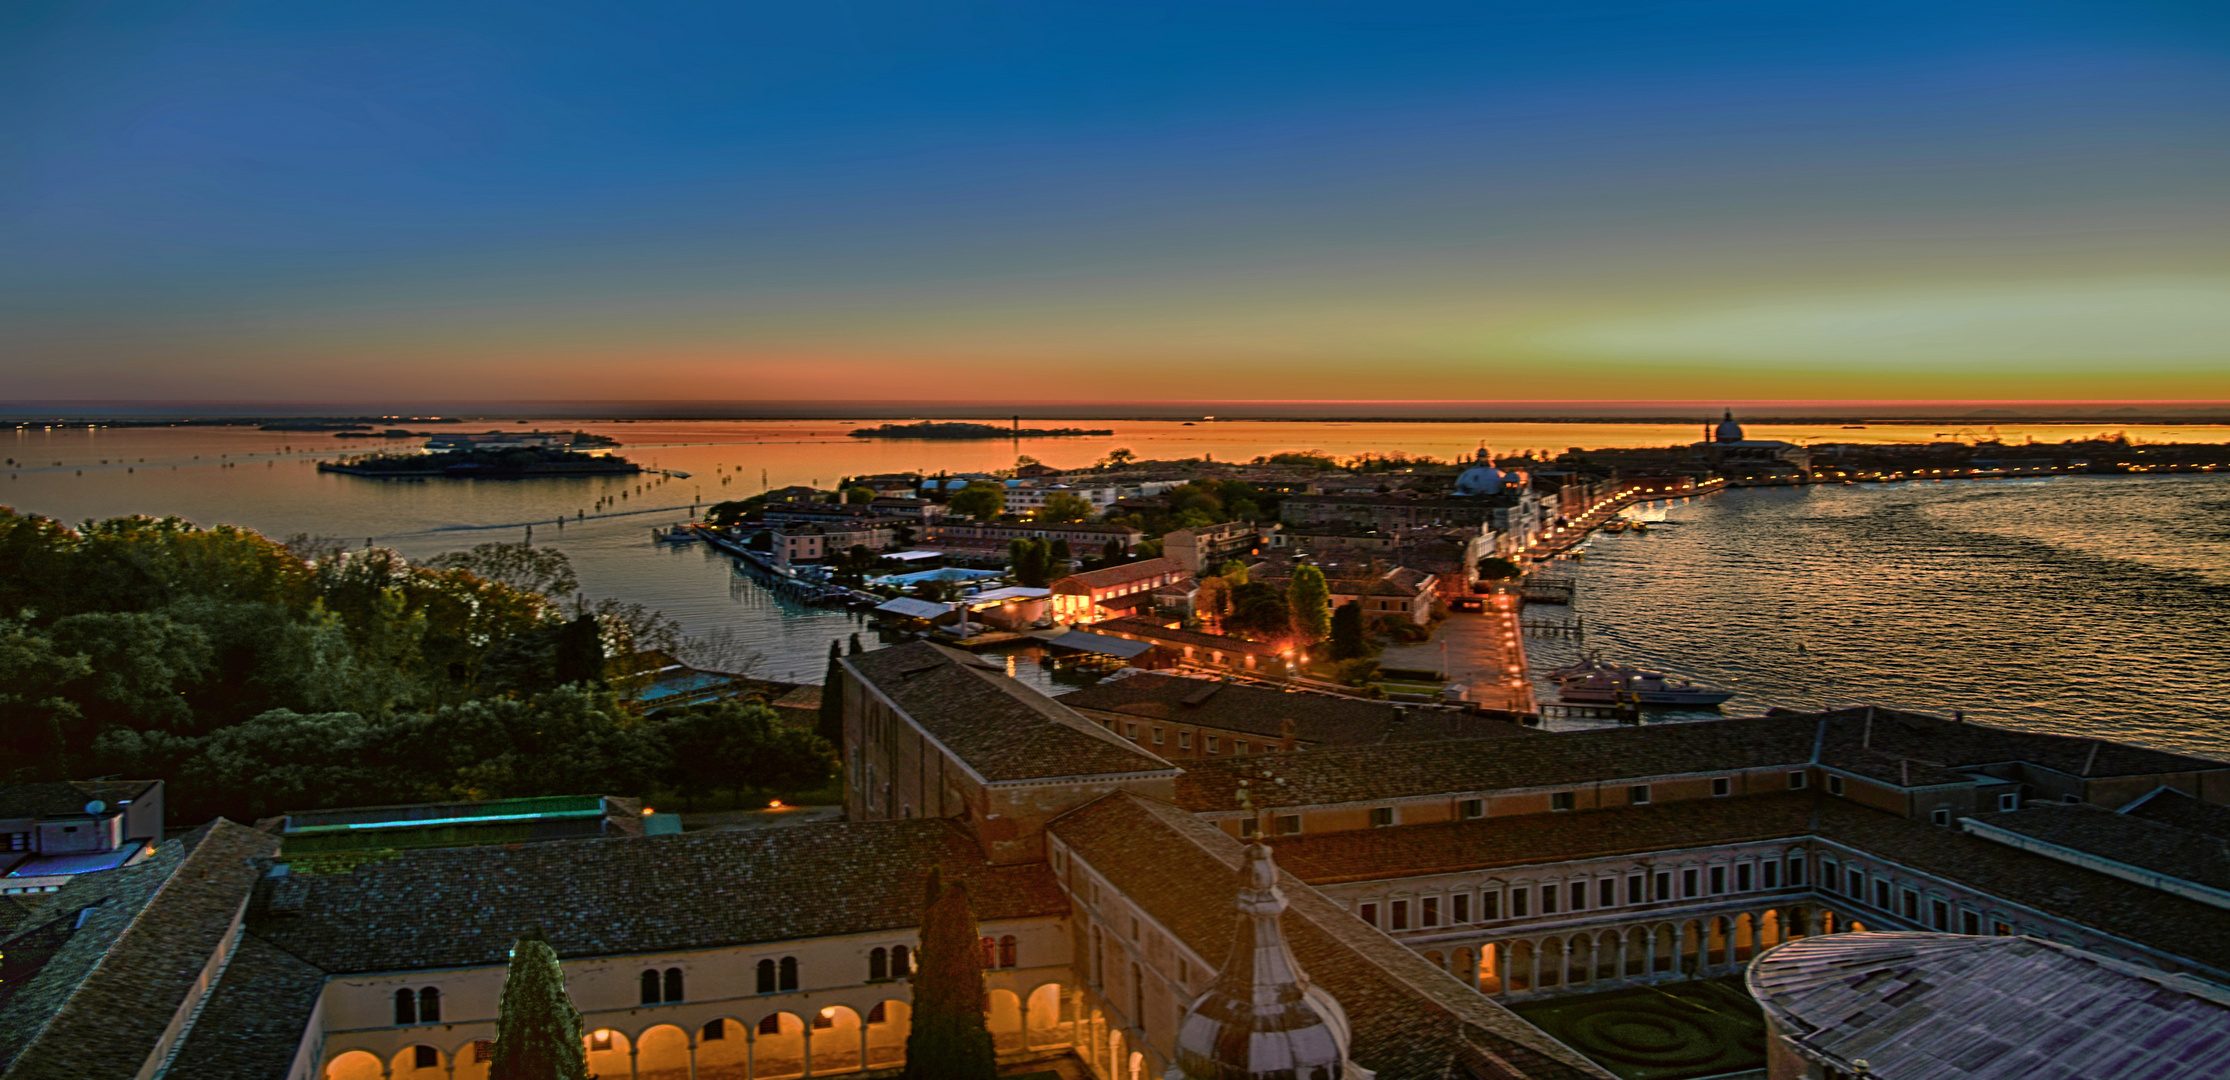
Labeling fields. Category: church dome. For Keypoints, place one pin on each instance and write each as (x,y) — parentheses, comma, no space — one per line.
(1261,1020)
(1729,431)
(1482,478)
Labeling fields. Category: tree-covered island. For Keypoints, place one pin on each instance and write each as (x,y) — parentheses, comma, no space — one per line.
(499,463)
(953,430)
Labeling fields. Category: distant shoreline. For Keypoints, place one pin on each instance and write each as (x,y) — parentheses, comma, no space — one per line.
(262,420)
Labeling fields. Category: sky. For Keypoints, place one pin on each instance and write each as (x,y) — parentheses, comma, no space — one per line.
(1075,200)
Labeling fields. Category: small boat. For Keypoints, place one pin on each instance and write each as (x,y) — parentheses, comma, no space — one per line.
(679,534)
(1615,526)
(1593,682)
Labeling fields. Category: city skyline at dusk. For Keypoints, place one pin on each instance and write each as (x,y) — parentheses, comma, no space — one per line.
(1623,203)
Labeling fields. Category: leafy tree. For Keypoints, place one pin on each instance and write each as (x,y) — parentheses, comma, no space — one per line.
(858,496)
(1259,611)
(1032,561)
(1311,600)
(949,1040)
(538,1031)
(524,567)
(1234,572)
(735,745)
(725,514)
(1213,601)
(36,719)
(1111,552)
(1121,455)
(1057,559)
(1062,507)
(580,652)
(1499,569)
(141,664)
(1347,631)
(981,499)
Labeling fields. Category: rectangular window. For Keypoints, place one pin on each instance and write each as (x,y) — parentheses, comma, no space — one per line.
(1722,786)
(1548,899)
(1214,745)
(1912,905)
(1562,800)
(1664,885)
(2011,800)
(1472,808)
(1247,828)
(1490,905)
(1857,882)
(1636,890)
(1939,915)
(1772,873)
(1238,746)
(1157,736)
(1881,894)
(1940,817)
(1688,883)
(1131,730)
(1638,794)
(1382,816)
(1459,908)
(1184,740)
(1796,781)
(1742,878)
(1428,911)
(1606,893)
(1289,824)
(1718,880)
(2001,929)
(1796,871)
(1401,915)
(1519,898)
(1368,913)
(1835,785)
(1579,896)
(1970,923)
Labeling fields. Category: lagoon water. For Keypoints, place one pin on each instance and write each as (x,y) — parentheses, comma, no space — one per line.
(2076,604)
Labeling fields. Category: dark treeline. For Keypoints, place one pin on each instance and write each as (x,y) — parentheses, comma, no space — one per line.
(259,677)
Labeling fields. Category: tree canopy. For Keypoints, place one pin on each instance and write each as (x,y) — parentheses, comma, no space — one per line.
(949,1040)
(981,499)
(538,1030)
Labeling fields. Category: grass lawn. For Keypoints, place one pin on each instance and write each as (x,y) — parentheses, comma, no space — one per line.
(1684,1031)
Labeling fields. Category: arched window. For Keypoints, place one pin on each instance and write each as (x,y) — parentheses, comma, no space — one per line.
(878,964)
(1006,951)
(789,973)
(406,1006)
(650,987)
(766,976)
(429,1006)
(673,984)
(901,962)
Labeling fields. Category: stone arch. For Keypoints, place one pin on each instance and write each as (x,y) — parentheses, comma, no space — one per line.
(1769,929)
(1637,952)
(1579,958)
(1494,967)
(1828,921)
(1464,966)
(1002,1013)
(356,1065)
(724,1050)
(835,1045)
(1549,972)
(1715,943)
(1042,1024)
(1433,957)
(778,1046)
(1665,945)
(662,1053)
(1519,979)
(407,1062)
(468,1061)
(1857,927)
(888,1022)
(607,1050)
(1607,953)
(1691,947)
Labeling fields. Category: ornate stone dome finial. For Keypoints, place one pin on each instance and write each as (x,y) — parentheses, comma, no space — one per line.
(1260,1019)
(1729,431)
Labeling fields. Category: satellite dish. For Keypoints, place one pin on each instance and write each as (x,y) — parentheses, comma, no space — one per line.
(95,807)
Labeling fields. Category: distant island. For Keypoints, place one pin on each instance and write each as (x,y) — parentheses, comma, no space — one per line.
(936,429)
(511,463)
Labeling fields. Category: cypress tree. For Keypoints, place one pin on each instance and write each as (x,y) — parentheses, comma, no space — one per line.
(538,1031)
(949,1040)
(830,724)
(1347,631)
(580,651)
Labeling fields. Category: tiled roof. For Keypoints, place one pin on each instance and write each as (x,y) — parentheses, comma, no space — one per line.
(1148,628)
(142,937)
(1121,574)
(58,798)
(1487,843)
(2110,905)
(255,1020)
(2151,845)
(1411,1019)
(1345,774)
(998,727)
(614,895)
(1872,740)
(1950,1007)
(1318,719)
(2171,807)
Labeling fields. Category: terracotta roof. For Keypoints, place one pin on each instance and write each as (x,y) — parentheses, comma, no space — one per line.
(610,896)
(1122,574)
(59,798)
(1148,628)
(1345,774)
(1318,719)
(1872,740)
(1486,843)
(2171,807)
(2151,845)
(256,1018)
(995,725)
(1951,1007)
(1410,1019)
(138,939)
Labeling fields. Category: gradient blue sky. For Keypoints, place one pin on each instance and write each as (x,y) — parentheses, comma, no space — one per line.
(988,201)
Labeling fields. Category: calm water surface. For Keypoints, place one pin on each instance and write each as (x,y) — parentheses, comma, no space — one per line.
(2077,604)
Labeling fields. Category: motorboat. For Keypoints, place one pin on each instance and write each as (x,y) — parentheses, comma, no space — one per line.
(1591,681)
(679,534)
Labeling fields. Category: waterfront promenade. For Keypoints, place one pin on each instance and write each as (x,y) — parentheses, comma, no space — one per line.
(1484,651)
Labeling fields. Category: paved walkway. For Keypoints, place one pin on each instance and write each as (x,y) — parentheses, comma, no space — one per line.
(1484,651)
(738,820)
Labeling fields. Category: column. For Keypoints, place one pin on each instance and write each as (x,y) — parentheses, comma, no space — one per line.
(693,1050)
(634,1064)
(1534,985)
(750,1050)
(1024,1008)
(1625,935)
(808,1018)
